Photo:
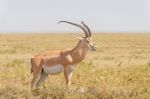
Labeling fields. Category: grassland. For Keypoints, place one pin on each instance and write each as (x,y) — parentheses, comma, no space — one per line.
(120,69)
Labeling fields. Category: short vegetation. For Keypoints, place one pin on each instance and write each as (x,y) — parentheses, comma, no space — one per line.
(120,69)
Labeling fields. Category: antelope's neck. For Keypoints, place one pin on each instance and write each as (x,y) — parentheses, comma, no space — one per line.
(79,53)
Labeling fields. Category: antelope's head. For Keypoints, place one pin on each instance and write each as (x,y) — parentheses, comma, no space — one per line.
(85,41)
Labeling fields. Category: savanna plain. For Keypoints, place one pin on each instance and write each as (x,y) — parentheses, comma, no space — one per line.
(119,69)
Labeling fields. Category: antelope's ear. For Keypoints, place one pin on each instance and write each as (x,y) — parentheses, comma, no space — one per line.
(79,38)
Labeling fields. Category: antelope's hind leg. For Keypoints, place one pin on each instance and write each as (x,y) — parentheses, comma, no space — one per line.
(37,80)
(36,70)
(43,76)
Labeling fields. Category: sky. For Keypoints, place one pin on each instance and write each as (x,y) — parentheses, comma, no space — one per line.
(99,15)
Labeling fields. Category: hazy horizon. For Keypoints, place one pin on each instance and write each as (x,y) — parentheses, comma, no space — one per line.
(109,16)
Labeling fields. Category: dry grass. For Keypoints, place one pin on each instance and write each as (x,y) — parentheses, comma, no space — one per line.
(120,69)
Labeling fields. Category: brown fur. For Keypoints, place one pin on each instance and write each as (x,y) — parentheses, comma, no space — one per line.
(51,58)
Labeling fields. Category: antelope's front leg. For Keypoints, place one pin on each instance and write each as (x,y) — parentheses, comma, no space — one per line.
(70,72)
(69,77)
(66,75)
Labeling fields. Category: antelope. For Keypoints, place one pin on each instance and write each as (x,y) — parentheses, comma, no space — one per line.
(57,61)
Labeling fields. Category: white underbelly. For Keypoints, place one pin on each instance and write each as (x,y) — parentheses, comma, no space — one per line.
(52,70)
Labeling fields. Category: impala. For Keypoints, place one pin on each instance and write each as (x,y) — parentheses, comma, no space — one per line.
(57,61)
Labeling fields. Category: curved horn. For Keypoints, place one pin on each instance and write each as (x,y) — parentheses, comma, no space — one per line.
(90,34)
(85,31)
